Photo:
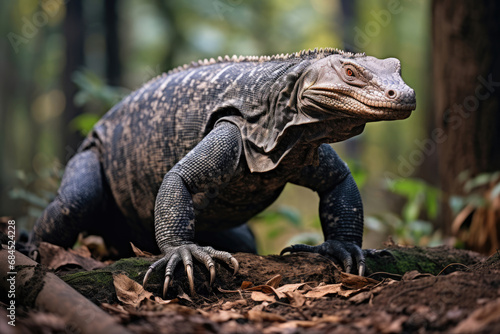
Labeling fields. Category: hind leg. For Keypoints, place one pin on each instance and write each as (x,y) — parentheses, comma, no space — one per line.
(78,205)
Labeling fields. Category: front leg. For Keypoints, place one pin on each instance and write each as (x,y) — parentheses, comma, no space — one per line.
(341,210)
(207,167)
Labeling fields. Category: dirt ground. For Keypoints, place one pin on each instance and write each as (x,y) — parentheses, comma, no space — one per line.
(300,293)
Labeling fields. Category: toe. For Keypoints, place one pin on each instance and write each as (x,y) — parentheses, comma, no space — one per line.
(206,259)
(166,283)
(357,253)
(146,277)
(223,256)
(158,264)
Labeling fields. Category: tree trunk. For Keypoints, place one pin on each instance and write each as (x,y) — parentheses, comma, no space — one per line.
(113,61)
(74,37)
(466,73)
(34,287)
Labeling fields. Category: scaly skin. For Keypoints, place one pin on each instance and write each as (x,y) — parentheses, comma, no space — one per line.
(197,152)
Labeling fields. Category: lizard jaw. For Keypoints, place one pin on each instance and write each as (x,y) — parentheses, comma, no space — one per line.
(356,105)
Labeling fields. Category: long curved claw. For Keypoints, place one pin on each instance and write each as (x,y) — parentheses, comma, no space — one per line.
(362,268)
(300,248)
(223,256)
(286,250)
(357,253)
(35,255)
(346,262)
(146,277)
(235,264)
(344,251)
(205,258)
(161,262)
(165,286)
(212,274)
(189,272)
(173,255)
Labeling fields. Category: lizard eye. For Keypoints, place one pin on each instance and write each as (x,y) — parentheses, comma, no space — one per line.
(349,72)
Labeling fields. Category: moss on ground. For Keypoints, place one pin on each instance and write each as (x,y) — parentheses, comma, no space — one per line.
(425,260)
(97,285)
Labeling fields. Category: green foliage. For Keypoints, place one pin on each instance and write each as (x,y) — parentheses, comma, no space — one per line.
(36,191)
(287,213)
(358,172)
(307,238)
(273,217)
(93,88)
(419,195)
(83,123)
(408,228)
(474,191)
(97,96)
(272,225)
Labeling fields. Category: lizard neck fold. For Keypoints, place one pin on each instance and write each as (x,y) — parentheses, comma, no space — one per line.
(272,124)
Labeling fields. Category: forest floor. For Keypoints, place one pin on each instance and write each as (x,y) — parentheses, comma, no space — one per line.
(299,293)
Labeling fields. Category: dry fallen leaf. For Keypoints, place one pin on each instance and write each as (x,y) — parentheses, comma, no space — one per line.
(356,282)
(332,319)
(275,281)
(347,293)
(246,285)
(291,287)
(361,297)
(54,257)
(95,245)
(116,308)
(184,296)
(480,318)
(223,316)
(266,289)
(129,291)
(394,326)
(229,305)
(291,325)
(260,316)
(323,290)
(414,274)
(295,298)
(261,297)
(140,253)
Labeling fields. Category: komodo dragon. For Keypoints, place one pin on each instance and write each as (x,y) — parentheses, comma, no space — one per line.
(197,152)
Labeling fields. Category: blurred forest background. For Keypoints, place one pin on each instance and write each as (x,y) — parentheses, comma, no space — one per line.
(65,63)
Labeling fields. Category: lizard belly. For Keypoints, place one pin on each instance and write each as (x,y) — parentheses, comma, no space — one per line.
(232,207)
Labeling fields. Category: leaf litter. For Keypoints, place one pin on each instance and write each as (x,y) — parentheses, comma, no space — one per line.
(276,296)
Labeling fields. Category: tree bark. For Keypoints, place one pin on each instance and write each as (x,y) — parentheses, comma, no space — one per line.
(74,36)
(36,287)
(466,74)
(113,61)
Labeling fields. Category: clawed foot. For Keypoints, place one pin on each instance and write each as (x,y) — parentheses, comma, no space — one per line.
(185,253)
(342,250)
(28,245)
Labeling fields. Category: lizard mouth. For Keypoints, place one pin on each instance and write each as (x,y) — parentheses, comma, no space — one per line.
(356,105)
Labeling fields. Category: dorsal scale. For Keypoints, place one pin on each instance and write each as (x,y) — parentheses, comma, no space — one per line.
(304,54)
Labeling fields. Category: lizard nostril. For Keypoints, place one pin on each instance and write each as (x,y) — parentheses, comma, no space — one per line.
(390,93)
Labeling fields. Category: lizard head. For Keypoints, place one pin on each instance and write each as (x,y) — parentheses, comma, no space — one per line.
(357,85)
